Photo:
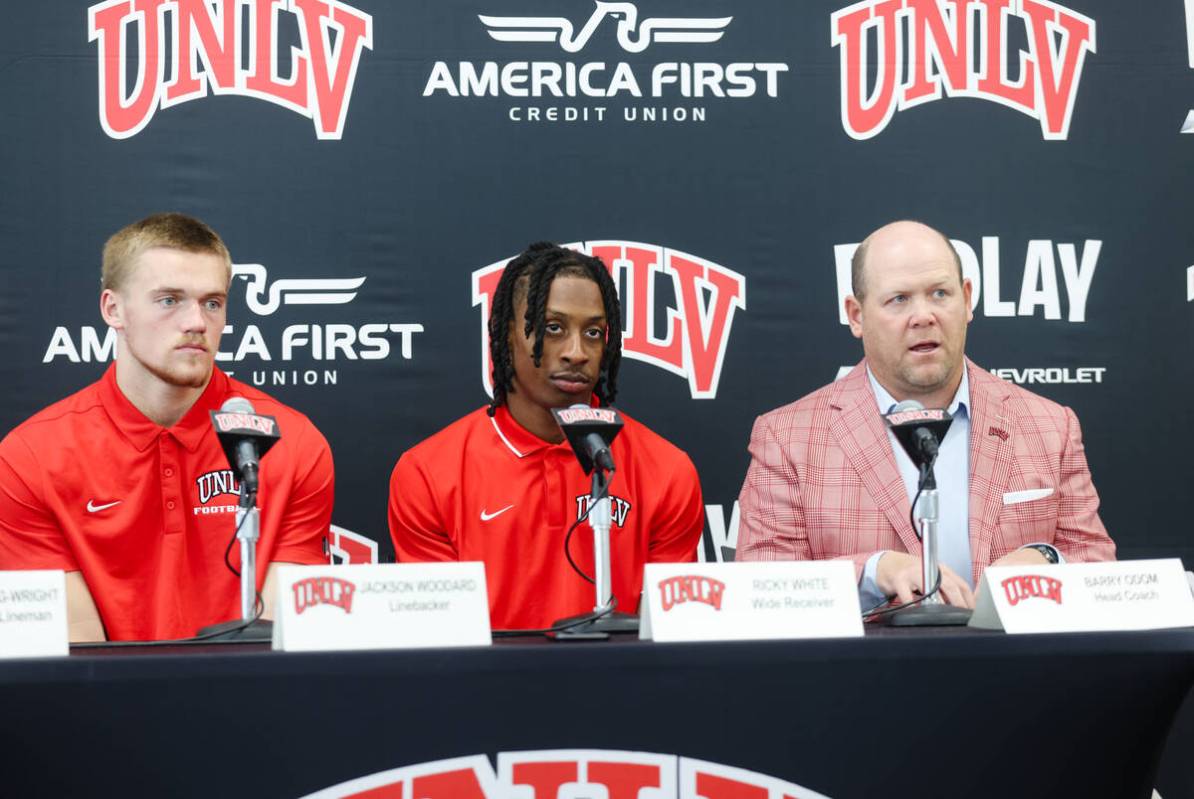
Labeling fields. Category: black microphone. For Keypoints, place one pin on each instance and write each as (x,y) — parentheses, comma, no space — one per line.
(918,429)
(590,431)
(245,437)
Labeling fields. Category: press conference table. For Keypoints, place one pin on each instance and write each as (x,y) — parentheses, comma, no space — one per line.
(897,713)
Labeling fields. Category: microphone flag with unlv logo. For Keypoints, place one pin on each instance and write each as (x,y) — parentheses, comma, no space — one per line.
(590,431)
(919,430)
(245,436)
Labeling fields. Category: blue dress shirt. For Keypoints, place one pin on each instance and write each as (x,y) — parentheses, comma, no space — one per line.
(952,471)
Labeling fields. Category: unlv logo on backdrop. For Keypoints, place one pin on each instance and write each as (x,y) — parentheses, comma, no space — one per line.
(961,48)
(215,33)
(345,546)
(697,329)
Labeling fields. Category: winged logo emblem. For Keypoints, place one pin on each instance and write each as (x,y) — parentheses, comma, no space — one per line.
(634,35)
(263,298)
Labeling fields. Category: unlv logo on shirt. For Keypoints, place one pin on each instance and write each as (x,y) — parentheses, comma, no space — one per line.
(697,328)
(619,508)
(215,483)
(960,47)
(216,34)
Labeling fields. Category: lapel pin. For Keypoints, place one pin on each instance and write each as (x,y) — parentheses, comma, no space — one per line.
(997,431)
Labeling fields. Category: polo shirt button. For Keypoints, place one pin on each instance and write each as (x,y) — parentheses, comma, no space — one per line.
(170,505)
(168,472)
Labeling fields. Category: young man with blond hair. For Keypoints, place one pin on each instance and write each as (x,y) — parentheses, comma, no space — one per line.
(124,485)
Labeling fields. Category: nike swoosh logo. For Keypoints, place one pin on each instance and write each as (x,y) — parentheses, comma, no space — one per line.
(92,507)
(487,516)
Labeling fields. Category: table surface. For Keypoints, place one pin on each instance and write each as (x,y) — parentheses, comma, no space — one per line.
(988,714)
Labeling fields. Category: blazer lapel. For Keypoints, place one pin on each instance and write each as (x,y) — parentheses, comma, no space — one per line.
(859,431)
(990,463)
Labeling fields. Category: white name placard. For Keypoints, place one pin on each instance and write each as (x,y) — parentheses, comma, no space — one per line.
(391,606)
(740,601)
(33,614)
(1085,597)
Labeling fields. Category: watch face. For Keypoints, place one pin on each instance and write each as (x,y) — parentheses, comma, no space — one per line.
(1048,552)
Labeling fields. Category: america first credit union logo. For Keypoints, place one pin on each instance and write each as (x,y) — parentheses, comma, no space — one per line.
(547,774)
(634,36)
(923,50)
(597,91)
(696,330)
(237,53)
(272,353)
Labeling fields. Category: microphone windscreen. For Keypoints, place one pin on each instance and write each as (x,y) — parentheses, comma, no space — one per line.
(237,405)
(907,405)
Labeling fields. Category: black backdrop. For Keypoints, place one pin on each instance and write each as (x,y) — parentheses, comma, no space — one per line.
(419,183)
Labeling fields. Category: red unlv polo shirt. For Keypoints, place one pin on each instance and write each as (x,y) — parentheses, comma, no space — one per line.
(144,512)
(485,489)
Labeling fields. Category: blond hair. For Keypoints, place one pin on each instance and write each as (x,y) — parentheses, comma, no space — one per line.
(172,230)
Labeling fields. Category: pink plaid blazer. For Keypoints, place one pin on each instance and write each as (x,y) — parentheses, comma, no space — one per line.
(823,481)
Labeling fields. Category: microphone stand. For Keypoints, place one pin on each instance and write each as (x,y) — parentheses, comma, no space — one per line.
(926,523)
(248,530)
(932,611)
(600,520)
(248,628)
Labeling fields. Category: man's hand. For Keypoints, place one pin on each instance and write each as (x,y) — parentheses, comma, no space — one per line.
(1023,557)
(899,574)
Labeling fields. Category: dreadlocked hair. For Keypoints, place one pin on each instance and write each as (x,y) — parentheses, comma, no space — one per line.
(531,274)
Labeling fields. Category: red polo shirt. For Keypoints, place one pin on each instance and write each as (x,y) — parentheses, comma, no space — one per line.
(144,512)
(486,489)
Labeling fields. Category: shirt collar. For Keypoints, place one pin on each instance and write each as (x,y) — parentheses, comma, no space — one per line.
(520,441)
(141,431)
(959,404)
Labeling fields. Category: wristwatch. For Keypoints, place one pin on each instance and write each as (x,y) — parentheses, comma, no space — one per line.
(1050,552)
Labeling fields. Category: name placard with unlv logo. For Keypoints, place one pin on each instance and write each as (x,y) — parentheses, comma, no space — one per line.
(1085,597)
(383,606)
(743,601)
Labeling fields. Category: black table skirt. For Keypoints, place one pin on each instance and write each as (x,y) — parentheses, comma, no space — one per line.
(898,713)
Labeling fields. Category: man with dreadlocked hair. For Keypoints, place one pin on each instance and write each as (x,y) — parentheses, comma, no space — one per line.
(540,265)
(502,485)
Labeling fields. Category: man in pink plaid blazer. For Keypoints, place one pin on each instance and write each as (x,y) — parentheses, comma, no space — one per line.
(824,481)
